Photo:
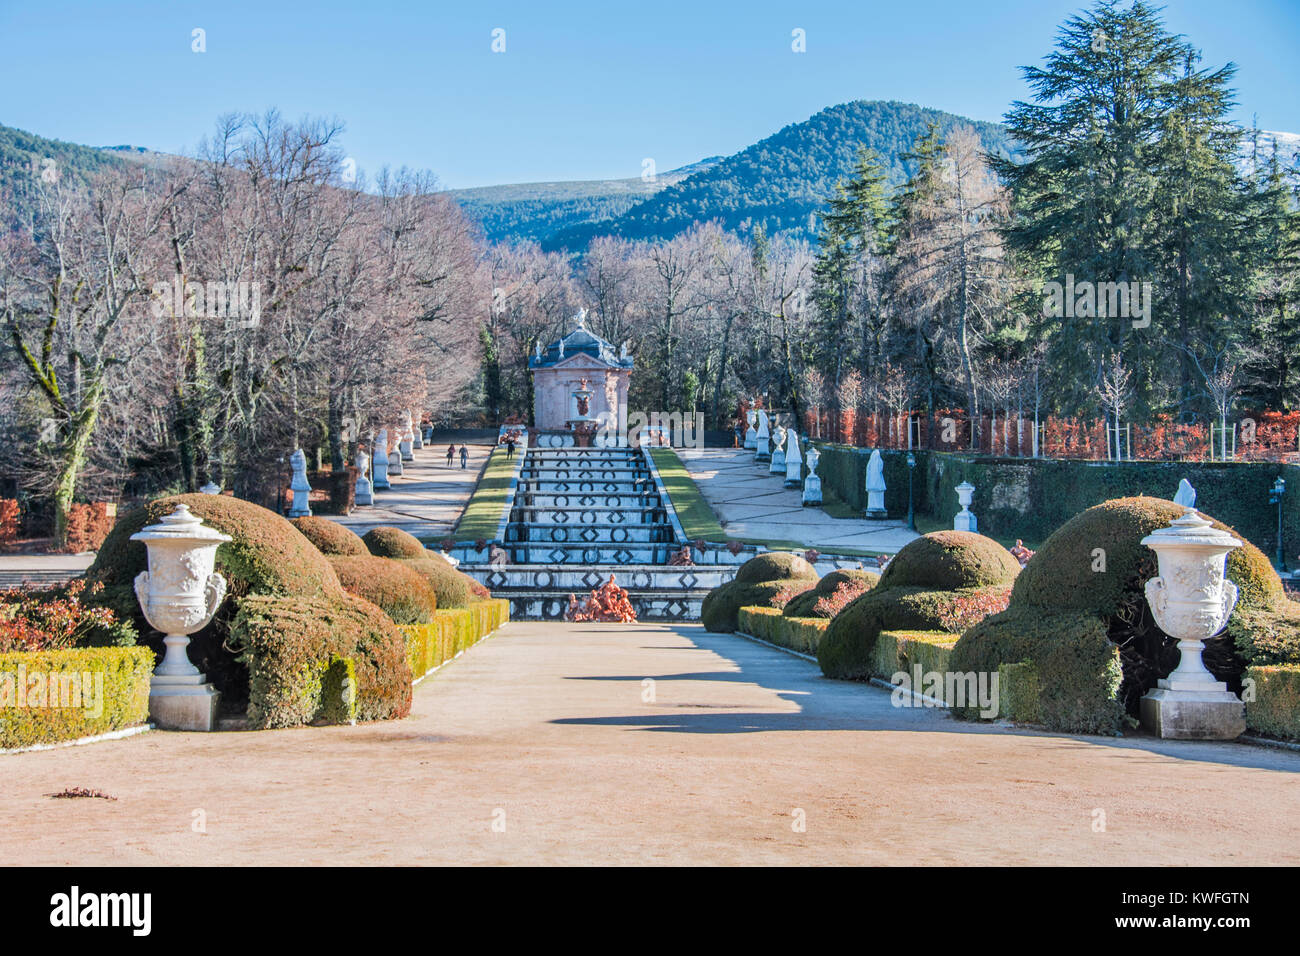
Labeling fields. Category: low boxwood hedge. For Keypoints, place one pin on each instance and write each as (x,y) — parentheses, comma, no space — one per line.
(94,690)
(769,624)
(1274,706)
(903,650)
(450,632)
(453,588)
(1019,692)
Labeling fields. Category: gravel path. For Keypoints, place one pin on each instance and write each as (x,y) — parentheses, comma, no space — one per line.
(543,745)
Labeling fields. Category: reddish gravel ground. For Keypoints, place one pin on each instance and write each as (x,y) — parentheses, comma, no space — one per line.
(545,745)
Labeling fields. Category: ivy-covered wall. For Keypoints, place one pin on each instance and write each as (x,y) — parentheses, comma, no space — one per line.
(1030,498)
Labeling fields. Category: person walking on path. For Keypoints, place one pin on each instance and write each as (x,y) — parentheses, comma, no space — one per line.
(451,453)
(464,455)
(510,448)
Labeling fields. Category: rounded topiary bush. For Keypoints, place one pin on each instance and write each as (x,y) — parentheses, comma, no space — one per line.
(451,586)
(804,603)
(399,590)
(267,556)
(774,566)
(720,610)
(330,537)
(847,649)
(768,580)
(388,542)
(1093,569)
(948,560)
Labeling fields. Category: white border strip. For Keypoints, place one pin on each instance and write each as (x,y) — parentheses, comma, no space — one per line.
(94,739)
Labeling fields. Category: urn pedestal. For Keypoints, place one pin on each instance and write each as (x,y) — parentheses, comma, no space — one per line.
(1191,601)
(179,594)
(964,520)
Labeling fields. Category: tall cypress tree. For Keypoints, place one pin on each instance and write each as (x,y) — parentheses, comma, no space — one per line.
(1126,180)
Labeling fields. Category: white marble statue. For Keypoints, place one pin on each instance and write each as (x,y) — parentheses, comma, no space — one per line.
(876,486)
(301,489)
(1186,494)
(407,440)
(763,439)
(793,461)
(964,520)
(380,477)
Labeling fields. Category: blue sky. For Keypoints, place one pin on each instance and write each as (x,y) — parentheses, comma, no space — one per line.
(582,91)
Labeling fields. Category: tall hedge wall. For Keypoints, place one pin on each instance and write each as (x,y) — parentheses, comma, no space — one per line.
(1031,497)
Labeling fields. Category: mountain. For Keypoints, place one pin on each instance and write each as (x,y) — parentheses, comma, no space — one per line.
(781,182)
(22,152)
(538,210)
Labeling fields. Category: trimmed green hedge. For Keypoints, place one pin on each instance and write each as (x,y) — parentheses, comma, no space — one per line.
(1078,667)
(769,624)
(1030,498)
(760,582)
(903,650)
(1019,693)
(1276,707)
(291,644)
(431,645)
(453,588)
(116,695)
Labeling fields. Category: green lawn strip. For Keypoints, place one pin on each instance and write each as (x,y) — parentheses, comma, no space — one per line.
(482,514)
(697,518)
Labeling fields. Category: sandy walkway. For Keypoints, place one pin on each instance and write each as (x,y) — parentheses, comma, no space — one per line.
(544,728)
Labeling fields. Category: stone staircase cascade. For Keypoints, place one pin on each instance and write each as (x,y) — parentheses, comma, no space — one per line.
(579,515)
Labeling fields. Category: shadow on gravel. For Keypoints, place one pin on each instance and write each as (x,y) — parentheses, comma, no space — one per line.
(825,704)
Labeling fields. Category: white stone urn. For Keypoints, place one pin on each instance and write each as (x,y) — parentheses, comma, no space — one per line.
(964,520)
(777,467)
(751,436)
(179,594)
(363,494)
(812,485)
(1191,600)
(793,461)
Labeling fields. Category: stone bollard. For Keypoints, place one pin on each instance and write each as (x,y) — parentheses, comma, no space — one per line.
(178,595)
(380,461)
(395,460)
(363,494)
(964,520)
(812,485)
(793,461)
(778,452)
(1192,600)
(298,484)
